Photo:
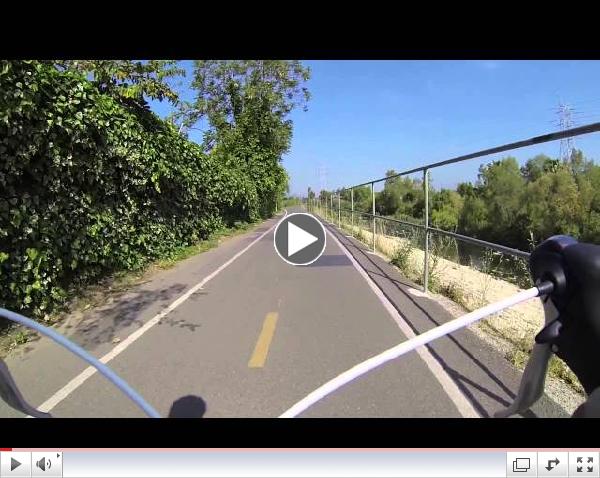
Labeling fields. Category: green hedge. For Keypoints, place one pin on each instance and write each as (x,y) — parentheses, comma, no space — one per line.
(89,186)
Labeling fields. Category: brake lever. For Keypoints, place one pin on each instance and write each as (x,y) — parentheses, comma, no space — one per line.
(9,392)
(572,319)
(533,380)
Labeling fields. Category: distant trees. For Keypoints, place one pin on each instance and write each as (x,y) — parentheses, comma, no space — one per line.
(401,197)
(507,204)
(446,208)
(473,217)
(544,197)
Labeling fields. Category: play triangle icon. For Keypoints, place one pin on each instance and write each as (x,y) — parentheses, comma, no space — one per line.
(298,239)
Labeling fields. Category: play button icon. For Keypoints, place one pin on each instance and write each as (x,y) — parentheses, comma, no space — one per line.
(15,464)
(299,239)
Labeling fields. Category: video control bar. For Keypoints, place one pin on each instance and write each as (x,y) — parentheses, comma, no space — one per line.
(298,463)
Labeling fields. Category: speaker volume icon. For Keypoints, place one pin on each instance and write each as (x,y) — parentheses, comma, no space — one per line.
(43,463)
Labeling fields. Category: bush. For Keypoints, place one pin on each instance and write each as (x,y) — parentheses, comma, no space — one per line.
(91,185)
(401,257)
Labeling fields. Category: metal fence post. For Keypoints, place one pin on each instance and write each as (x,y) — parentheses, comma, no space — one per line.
(331,208)
(426,248)
(339,210)
(373,201)
(352,202)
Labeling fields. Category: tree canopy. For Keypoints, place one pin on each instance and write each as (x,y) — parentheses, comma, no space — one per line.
(129,78)
(508,204)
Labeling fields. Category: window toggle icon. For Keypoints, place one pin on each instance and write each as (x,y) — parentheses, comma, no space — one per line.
(521,465)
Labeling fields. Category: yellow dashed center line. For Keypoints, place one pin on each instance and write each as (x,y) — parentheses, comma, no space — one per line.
(259,356)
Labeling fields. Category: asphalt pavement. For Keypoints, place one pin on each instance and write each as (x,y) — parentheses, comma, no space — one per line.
(260,334)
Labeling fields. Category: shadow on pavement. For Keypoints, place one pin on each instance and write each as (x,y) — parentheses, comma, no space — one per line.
(460,380)
(190,406)
(103,324)
(12,396)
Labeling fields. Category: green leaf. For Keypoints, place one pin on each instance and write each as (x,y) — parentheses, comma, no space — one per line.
(31,253)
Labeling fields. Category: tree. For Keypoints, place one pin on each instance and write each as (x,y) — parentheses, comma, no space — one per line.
(538,166)
(588,184)
(388,201)
(247,104)
(362,199)
(551,206)
(401,197)
(502,189)
(129,79)
(446,209)
(473,219)
(466,190)
(577,163)
(392,180)
(251,94)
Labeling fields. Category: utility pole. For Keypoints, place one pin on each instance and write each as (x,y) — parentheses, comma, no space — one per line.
(339,210)
(331,207)
(322,173)
(373,204)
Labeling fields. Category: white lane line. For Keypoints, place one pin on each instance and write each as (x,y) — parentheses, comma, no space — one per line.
(464,406)
(406,347)
(88,372)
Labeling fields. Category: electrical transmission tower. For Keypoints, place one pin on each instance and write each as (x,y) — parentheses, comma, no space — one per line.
(565,121)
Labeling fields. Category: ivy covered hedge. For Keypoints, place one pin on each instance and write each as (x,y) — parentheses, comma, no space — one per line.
(90,185)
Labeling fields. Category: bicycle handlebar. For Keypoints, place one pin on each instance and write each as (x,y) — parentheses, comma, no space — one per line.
(574,336)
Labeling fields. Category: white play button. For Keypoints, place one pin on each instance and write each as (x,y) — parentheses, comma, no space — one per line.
(298,239)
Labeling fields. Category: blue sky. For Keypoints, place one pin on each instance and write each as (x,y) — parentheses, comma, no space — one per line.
(366,117)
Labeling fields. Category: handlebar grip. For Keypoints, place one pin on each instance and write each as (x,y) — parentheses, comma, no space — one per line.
(574,270)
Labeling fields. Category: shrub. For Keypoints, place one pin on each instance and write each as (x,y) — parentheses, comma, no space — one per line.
(90,184)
